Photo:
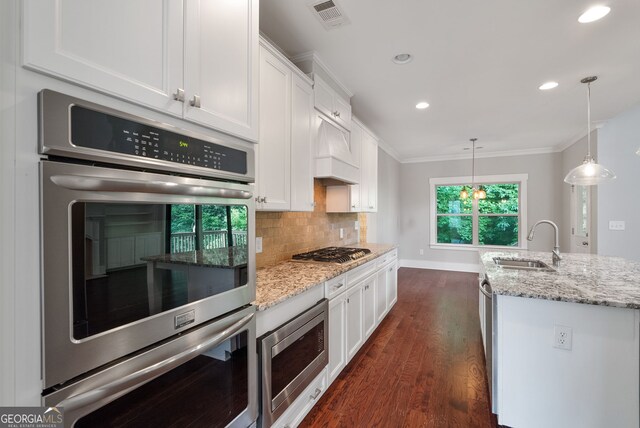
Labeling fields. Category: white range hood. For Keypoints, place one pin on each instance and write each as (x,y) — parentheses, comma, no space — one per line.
(334,161)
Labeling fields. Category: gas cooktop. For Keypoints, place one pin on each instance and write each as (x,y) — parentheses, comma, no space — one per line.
(333,255)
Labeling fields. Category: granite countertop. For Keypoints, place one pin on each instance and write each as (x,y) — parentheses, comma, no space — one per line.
(226,258)
(277,283)
(580,278)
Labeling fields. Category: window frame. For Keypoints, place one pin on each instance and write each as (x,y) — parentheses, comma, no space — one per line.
(520,179)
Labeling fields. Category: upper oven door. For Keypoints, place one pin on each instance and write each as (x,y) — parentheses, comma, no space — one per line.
(131,258)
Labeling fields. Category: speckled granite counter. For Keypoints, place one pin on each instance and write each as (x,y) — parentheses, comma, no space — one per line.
(581,278)
(228,257)
(277,283)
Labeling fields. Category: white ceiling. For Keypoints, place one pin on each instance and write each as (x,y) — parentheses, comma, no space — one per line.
(477,63)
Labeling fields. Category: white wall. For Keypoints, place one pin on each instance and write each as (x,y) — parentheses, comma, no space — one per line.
(544,202)
(382,227)
(618,141)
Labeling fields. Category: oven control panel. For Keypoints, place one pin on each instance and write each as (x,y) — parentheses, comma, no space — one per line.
(102,131)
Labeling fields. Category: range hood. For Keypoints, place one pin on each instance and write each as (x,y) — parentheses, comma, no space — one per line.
(334,162)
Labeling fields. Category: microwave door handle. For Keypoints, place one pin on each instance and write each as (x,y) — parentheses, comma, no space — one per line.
(106,184)
(140,377)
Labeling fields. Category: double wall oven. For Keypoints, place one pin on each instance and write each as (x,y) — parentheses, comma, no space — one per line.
(148,270)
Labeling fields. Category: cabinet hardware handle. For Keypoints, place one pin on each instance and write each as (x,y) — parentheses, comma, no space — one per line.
(179,95)
(195,101)
(348,301)
(316,393)
(353,206)
(371,206)
(390,269)
(339,285)
(336,113)
(264,199)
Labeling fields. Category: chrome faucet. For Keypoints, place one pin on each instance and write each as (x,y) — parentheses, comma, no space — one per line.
(555,255)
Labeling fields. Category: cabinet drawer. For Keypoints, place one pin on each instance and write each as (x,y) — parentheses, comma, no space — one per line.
(304,403)
(335,286)
(386,258)
(361,272)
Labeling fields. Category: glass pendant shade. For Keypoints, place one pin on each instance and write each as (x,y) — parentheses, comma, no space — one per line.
(589,173)
(463,193)
(482,194)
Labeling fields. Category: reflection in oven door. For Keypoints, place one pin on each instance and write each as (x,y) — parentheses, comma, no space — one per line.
(206,377)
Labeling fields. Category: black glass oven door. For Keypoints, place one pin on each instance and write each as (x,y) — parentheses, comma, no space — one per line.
(133,260)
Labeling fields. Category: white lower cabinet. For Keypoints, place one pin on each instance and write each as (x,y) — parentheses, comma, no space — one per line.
(381,295)
(392,284)
(337,336)
(355,320)
(369,305)
(304,403)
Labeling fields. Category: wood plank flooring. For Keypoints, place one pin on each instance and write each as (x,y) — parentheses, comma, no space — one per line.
(424,365)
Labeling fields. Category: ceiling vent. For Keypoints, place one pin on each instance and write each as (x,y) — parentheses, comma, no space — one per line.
(329,13)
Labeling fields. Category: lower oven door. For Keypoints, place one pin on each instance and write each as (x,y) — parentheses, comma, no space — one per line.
(291,357)
(204,377)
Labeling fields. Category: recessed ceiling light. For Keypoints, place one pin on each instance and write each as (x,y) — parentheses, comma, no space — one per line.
(594,14)
(422,105)
(548,85)
(402,58)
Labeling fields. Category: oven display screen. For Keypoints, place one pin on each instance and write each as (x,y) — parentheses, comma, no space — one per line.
(102,131)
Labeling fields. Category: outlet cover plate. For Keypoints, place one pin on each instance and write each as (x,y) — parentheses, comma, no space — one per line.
(258,244)
(563,337)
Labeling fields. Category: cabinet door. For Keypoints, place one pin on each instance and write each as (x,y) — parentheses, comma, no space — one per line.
(342,111)
(381,295)
(301,156)
(274,151)
(392,285)
(369,185)
(221,65)
(369,306)
(355,326)
(373,175)
(356,152)
(128,49)
(323,96)
(337,337)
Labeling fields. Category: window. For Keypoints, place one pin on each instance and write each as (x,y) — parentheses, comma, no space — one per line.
(495,221)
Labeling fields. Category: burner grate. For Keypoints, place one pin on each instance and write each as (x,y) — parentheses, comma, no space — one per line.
(333,254)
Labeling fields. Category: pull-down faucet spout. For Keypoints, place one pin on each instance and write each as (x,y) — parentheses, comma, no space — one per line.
(555,255)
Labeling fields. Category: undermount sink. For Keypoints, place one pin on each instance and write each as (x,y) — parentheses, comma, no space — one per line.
(523,264)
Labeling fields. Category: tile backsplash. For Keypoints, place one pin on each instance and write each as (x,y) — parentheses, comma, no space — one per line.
(287,233)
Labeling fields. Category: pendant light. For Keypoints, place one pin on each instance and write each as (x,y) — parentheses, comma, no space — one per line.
(476,193)
(589,173)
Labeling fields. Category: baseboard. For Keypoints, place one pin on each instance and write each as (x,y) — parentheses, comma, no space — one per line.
(429,264)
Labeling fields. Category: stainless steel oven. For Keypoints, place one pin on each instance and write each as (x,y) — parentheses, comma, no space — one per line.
(291,357)
(205,377)
(148,234)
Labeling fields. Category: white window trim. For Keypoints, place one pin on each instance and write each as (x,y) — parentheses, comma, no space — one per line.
(480,179)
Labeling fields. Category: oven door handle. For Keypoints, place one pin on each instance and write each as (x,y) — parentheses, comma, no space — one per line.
(106,184)
(484,290)
(135,379)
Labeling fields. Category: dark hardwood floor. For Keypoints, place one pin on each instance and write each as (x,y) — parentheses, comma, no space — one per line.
(424,365)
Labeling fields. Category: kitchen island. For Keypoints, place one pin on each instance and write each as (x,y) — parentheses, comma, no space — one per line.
(566,348)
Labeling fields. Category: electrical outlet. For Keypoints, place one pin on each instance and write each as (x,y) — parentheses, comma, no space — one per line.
(563,337)
(421,252)
(341,233)
(258,244)
(356,225)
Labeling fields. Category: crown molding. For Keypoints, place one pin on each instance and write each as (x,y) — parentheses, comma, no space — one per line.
(505,153)
(389,150)
(313,56)
(275,50)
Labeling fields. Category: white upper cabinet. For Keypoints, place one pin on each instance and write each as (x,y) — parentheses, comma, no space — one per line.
(357,134)
(221,65)
(301,145)
(284,177)
(156,53)
(330,103)
(273,170)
